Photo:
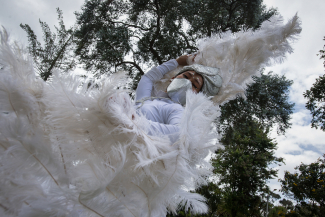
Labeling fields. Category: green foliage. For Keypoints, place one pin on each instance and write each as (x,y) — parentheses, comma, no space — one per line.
(56,52)
(129,34)
(315,103)
(277,211)
(210,16)
(286,203)
(316,99)
(266,103)
(307,186)
(243,167)
(101,42)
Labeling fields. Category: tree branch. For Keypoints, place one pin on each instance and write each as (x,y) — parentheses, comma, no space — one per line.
(153,51)
(133,63)
(48,73)
(186,40)
(134,26)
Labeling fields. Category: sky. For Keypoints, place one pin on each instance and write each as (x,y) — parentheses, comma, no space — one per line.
(301,143)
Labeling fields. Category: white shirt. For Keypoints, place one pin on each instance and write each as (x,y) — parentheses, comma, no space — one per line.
(164,114)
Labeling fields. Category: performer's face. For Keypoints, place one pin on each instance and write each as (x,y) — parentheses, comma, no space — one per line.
(195,78)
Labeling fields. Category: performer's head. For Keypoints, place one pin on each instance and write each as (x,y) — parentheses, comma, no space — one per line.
(196,77)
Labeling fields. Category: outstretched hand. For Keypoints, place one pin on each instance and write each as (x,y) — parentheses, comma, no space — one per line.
(182,60)
(186,59)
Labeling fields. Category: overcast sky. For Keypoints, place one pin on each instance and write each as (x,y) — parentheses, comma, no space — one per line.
(300,143)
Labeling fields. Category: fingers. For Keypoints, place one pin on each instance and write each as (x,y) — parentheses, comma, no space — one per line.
(191,58)
(182,60)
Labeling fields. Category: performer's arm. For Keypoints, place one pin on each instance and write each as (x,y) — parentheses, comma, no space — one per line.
(155,74)
(172,119)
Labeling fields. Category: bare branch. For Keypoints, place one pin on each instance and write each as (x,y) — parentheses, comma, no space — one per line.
(134,26)
(153,51)
(186,40)
(133,63)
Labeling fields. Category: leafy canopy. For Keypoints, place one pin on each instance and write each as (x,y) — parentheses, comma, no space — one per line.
(267,102)
(307,186)
(316,99)
(242,167)
(133,34)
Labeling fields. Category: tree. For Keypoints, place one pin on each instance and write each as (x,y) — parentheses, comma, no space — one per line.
(277,211)
(316,99)
(266,103)
(286,203)
(209,17)
(56,52)
(307,186)
(131,34)
(242,167)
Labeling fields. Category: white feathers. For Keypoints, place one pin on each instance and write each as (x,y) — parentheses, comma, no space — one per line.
(72,148)
(242,55)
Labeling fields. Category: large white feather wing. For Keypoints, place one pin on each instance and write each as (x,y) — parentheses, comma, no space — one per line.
(72,148)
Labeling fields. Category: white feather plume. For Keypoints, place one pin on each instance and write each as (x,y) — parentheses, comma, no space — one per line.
(242,55)
(70,149)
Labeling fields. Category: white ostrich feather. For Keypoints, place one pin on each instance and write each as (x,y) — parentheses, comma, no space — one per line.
(70,149)
(241,55)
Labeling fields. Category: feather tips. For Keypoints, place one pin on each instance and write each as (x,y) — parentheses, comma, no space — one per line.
(73,148)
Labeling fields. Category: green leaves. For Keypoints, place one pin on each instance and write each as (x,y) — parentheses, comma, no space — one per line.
(316,103)
(126,35)
(266,103)
(316,99)
(242,167)
(57,49)
(307,184)
(219,16)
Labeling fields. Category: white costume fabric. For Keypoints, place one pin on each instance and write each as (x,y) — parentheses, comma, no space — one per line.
(70,149)
(164,114)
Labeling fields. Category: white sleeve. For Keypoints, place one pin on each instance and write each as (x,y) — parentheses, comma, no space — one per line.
(172,117)
(155,74)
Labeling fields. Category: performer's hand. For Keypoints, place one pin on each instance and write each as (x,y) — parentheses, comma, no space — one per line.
(182,60)
(191,57)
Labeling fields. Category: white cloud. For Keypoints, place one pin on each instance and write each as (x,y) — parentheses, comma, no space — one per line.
(303,66)
(14,12)
(301,143)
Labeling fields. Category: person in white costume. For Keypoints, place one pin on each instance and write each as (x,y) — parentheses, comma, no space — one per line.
(67,149)
(165,113)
